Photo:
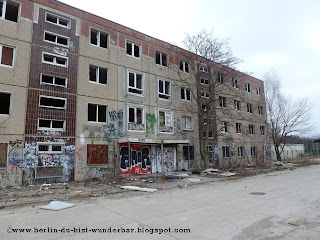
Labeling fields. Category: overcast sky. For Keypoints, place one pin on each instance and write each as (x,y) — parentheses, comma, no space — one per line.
(279,34)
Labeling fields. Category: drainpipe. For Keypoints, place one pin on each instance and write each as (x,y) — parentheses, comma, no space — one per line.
(162,162)
(129,155)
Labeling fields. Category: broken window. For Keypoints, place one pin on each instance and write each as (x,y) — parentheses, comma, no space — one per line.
(248,87)
(161,58)
(240,151)
(185,94)
(98,38)
(205,94)
(136,119)
(238,127)
(5,100)
(164,89)
(9,10)
(253,151)
(210,134)
(222,102)
(204,107)
(237,105)
(48,148)
(56,125)
(57,39)
(251,129)
(52,102)
(54,60)
(97,154)
(184,66)
(59,21)
(203,69)
(225,151)
(133,49)
(55,81)
(249,107)
(235,83)
(6,55)
(97,113)
(262,130)
(135,84)
(259,91)
(165,121)
(260,110)
(187,123)
(204,81)
(224,127)
(220,78)
(188,152)
(3,155)
(98,74)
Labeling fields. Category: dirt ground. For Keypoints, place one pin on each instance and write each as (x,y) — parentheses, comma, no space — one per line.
(33,195)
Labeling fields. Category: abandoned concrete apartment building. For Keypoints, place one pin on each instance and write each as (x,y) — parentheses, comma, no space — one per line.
(83,97)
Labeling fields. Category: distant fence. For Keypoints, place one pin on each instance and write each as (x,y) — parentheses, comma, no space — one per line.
(290,154)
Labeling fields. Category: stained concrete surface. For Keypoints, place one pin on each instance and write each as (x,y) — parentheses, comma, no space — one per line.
(290,209)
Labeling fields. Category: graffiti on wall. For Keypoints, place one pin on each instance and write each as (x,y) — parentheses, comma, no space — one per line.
(140,159)
(168,159)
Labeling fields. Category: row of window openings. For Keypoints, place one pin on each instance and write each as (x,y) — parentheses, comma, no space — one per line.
(239,129)
(240,151)
(237,105)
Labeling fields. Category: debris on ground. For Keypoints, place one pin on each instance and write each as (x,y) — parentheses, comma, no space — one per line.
(193,179)
(13,199)
(196,171)
(227,174)
(172,177)
(135,188)
(44,185)
(149,180)
(211,171)
(288,165)
(57,206)
(294,224)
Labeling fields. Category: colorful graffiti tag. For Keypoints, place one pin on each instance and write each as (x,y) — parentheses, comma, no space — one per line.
(140,160)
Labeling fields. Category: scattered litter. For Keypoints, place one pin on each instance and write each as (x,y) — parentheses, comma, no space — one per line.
(183,175)
(288,165)
(57,206)
(46,188)
(227,174)
(172,177)
(258,193)
(196,172)
(139,189)
(150,180)
(211,170)
(13,199)
(44,185)
(294,224)
(193,179)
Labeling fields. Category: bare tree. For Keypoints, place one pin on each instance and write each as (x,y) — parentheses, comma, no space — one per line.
(211,81)
(285,115)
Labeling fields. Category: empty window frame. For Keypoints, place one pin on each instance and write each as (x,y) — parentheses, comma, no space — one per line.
(210,134)
(238,127)
(204,81)
(240,151)
(210,121)
(222,102)
(55,125)
(164,89)
(184,66)
(56,39)
(98,38)
(262,130)
(57,20)
(235,83)
(165,121)
(98,75)
(6,55)
(3,155)
(54,81)
(224,127)
(161,58)
(5,100)
(188,152)
(204,107)
(253,151)
(237,105)
(249,107)
(52,102)
(187,123)
(9,10)
(258,91)
(205,120)
(56,60)
(225,151)
(136,118)
(97,113)
(220,78)
(186,94)
(251,129)
(135,82)
(203,68)
(248,87)
(260,110)
(50,148)
(133,49)
(205,94)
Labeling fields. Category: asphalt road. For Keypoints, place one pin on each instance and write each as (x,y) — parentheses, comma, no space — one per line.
(289,209)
